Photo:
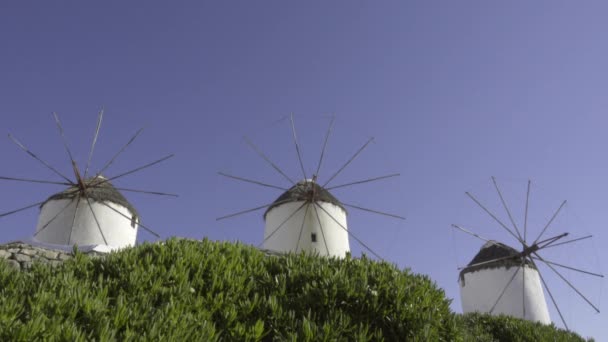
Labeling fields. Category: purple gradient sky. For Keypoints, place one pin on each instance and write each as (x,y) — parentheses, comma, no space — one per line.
(454,92)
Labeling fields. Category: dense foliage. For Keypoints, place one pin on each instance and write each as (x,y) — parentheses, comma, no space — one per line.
(207,291)
(486,328)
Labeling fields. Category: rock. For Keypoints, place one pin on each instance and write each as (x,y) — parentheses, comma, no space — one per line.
(22,258)
(64,256)
(14,264)
(50,255)
(26,265)
(4,254)
(28,251)
(14,250)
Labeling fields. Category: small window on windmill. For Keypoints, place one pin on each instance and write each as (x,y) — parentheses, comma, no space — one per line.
(133,221)
(313,237)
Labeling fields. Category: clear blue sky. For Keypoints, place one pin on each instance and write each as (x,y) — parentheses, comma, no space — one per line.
(454,92)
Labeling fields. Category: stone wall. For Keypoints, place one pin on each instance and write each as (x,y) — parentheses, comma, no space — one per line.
(21,255)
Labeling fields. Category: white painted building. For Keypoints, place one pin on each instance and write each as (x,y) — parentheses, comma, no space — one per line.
(483,281)
(66,221)
(311,228)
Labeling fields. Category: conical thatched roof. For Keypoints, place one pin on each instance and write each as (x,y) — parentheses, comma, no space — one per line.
(102,191)
(302,191)
(493,250)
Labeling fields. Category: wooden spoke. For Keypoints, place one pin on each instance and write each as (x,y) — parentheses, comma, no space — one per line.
(547,242)
(107,165)
(96,220)
(364,181)
(526,212)
(302,227)
(33,181)
(469,232)
(63,139)
(78,198)
(553,300)
(21,209)
(349,161)
(321,227)
(145,192)
(31,154)
(504,289)
(99,118)
(569,241)
(567,282)
(54,217)
(504,204)
(373,211)
(137,169)
(251,210)
(550,221)
(263,156)
(494,217)
(130,219)
(282,224)
(295,141)
(350,233)
(570,268)
(324,146)
(489,261)
(252,181)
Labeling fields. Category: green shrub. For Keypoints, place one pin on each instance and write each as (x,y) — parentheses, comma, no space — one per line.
(486,328)
(187,290)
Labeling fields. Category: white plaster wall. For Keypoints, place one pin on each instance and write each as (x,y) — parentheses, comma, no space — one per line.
(118,230)
(482,288)
(286,238)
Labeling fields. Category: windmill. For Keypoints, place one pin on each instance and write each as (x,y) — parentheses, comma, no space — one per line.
(306,216)
(503,280)
(89,212)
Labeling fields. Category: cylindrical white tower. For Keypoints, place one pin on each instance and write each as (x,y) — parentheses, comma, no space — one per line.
(73,218)
(307,218)
(483,281)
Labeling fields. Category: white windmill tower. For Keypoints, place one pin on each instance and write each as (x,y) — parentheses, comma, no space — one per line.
(90,212)
(306,216)
(503,280)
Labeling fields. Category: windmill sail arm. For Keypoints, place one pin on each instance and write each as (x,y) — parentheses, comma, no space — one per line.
(147,192)
(28,180)
(568,283)
(98,127)
(31,154)
(570,267)
(553,300)
(251,181)
(569,241)
(364,181)
(111,161)
(21,209)
(130,218)
(349,232)
(283,223)
(372,211)
(252,209)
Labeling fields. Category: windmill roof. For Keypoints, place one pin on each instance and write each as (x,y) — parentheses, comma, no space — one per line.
(100,192)
(493,250)
(301,191)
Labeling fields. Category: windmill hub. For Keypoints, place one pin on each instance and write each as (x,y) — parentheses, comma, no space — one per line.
(306,190)
(528,250)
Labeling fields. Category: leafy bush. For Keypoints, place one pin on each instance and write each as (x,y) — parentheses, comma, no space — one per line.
(486,328)
(187,290)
